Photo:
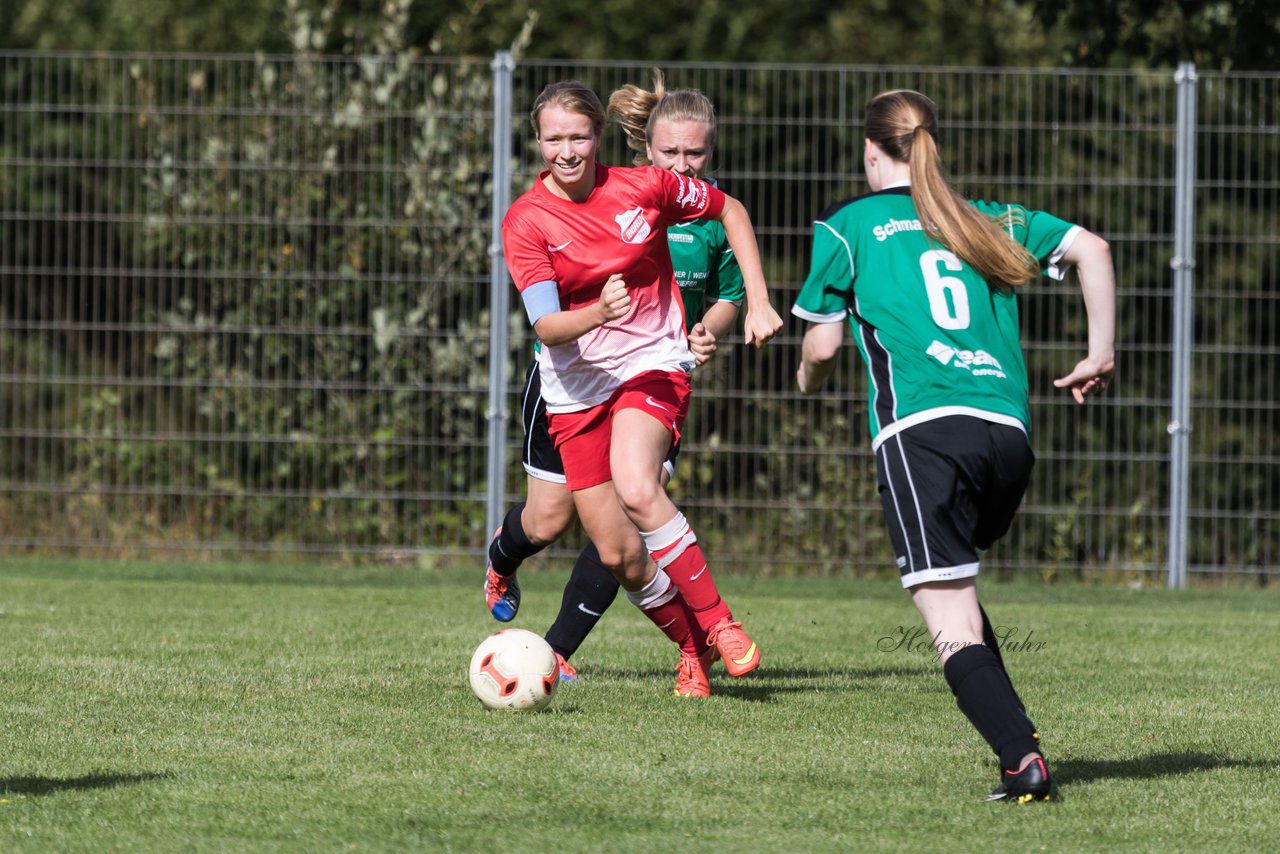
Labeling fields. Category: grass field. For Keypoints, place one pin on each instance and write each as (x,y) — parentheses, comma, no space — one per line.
(163,707)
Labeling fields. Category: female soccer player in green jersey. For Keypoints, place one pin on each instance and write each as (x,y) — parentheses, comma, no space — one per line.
(928,283)
(675,130)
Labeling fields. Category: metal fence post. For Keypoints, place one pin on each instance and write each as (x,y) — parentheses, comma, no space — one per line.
(1183,264)
(499,292)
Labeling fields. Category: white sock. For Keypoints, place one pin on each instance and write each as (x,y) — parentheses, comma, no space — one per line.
(657,592)
(675,532)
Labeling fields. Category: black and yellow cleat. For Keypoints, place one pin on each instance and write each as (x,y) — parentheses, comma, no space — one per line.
(1028,784)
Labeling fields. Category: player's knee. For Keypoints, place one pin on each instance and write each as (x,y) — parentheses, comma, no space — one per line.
(546,527)
(637,495)
(633,574)
(624,560)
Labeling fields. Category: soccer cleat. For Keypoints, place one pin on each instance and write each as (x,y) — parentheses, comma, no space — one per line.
(740,653)
(691,679)
(1029,783)
(501,592)
(568,673)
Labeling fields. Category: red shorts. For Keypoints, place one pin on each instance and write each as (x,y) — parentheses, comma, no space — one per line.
(583,438)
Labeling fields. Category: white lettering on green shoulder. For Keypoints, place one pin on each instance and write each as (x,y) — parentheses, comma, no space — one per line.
(893,226)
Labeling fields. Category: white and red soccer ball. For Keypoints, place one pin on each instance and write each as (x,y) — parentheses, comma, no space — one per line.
(514,669)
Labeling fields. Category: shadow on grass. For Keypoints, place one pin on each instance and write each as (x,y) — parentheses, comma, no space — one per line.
(1068,771)
(86,782)
(764,684)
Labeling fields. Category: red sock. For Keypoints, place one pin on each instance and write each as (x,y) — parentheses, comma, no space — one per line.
(709,616)
(674,548)
(699,630)
(661,602)
(672,618)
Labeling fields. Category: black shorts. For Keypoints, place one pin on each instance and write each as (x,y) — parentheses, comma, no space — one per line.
(539,454)
(949,487)
(540,457)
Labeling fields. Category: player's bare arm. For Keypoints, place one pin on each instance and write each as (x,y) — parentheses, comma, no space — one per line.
(818,354)
(1091,256)
(762,321)
(719,318)
(561,327)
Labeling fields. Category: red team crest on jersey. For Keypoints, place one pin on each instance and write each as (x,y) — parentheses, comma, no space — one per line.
(635,229)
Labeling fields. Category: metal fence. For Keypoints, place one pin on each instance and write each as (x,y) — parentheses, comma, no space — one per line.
(245,309)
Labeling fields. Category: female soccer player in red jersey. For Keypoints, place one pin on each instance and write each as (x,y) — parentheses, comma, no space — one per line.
(587,249)
(682,126)
(928,283)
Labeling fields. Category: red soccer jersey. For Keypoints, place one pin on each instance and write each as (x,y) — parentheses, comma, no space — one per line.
(620,228)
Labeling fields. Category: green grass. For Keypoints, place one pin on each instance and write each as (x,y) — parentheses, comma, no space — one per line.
(246,708)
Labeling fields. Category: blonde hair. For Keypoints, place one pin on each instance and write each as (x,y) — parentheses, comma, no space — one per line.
(638,110)
(904,125)
(572,96)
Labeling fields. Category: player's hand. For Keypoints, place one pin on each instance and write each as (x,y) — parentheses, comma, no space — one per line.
(1089,376)
(701,343)
(615,299)
(761,324)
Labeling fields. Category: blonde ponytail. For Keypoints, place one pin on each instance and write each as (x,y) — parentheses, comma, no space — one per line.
(638,110)
(631,108)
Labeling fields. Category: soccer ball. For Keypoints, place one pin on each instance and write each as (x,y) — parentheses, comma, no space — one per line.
(514,669)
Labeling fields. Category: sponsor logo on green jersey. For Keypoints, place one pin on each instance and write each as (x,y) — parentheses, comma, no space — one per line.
(980,363)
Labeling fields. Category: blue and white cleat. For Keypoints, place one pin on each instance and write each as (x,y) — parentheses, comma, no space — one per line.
(502,595)
(568,673)
(501,592)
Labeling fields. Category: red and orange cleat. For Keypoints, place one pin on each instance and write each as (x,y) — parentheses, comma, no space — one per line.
(740,653)
(691,676)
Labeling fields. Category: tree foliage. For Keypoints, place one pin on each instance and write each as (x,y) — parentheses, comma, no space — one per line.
(143,25)
(1238,35)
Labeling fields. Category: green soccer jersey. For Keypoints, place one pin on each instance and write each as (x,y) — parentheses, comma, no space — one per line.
(935,338)
(706,270)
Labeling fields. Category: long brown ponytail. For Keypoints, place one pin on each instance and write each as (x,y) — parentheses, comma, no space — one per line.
(903,124)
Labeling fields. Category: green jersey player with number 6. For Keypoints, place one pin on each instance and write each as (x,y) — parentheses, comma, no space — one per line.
(928,283)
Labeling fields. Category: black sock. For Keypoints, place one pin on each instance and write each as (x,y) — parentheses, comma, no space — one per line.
(989,636)
(510,548)
(589,593)
(985,695)
(993,643)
